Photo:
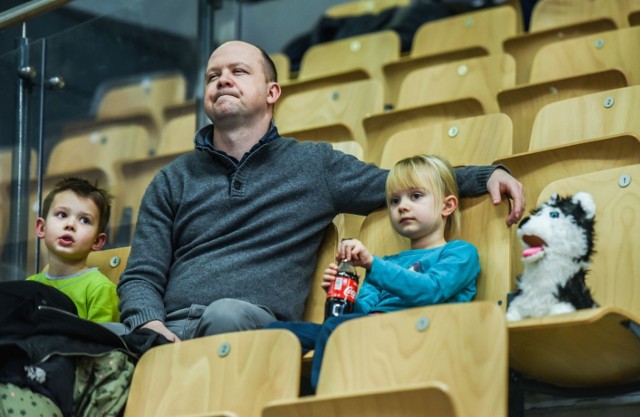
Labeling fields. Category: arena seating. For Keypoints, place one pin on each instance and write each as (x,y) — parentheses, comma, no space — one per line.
(556,105)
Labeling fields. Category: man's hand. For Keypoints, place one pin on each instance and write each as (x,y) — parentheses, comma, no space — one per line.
(502,184)
(159,327)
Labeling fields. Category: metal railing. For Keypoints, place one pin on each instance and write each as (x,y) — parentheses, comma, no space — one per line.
(28,10)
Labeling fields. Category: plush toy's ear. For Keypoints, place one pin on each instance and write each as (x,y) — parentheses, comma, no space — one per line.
(553,199)
(586,202)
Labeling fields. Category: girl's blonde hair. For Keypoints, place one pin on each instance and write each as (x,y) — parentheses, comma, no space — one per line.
(428,172)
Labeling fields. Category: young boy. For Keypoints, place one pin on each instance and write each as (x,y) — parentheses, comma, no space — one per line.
(423,206)
(75,216)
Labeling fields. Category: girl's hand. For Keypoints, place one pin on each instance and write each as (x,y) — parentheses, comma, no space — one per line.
(353,250)
(329,275)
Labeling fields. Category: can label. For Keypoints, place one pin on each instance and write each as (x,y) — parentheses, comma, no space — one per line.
(345,287)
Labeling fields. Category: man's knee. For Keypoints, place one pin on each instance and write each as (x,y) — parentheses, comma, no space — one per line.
(230,315)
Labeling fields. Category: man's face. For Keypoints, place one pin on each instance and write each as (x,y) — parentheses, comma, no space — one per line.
(235,84)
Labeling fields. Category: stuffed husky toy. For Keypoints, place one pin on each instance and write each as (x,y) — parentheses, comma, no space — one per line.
(557,241)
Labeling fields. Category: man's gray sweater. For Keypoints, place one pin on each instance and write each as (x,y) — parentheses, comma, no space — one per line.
(211,228)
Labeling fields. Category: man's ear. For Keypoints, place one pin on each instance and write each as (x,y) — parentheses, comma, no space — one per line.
(99,242)
(273,93)
(450,205)
(40,227)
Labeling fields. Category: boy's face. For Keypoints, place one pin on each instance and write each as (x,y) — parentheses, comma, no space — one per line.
(70,230)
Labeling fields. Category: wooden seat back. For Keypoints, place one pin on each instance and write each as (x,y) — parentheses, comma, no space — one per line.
(480,78)
(227,374)
(331,114)
(586,117)
(554,13)
(368,52)
(590,53)
(111,262)
(462,346)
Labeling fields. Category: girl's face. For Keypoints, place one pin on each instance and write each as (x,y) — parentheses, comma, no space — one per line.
(415,214)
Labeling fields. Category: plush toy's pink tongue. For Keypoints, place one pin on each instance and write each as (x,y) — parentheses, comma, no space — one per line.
(531,251)
(536,245)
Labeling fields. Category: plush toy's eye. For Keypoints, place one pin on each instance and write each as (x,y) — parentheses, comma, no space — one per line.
(554,214)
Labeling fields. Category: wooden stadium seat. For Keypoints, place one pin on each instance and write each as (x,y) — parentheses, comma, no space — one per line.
(554,13)
(228,374)
(481,78)
(283,66)
(111,262)
(6,162)
(96,151)
(179,129)
(522,102)
(137,174)
(380,127)
(314,306)
(466,35)
(585,117)
(331,114)
(345,60)
(97,146)
(444,360)
(455,90)
(486,28)
(360,7)
(477,141)
(368,52)
(536,168)
(605,50)
(592,352)
(145,95)
(577,136)
(524,46)
(482,225)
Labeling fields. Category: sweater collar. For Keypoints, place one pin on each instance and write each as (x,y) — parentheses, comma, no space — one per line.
(204,141)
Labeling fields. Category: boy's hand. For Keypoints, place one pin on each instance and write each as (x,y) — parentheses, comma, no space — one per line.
(328,277)
(159,327)
(353,250)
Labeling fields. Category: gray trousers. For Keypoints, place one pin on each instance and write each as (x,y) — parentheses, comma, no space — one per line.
(221,316)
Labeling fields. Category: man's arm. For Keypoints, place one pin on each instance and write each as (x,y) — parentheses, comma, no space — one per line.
(363,185)
(143,282)
(474,181)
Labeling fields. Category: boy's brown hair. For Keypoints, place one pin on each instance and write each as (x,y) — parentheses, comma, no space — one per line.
(100,196)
